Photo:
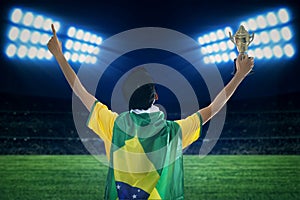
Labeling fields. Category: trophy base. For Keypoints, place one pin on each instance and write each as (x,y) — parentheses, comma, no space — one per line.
(233,73)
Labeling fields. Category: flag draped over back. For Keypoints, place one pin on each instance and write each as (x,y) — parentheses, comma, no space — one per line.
(145,156)
(144,152)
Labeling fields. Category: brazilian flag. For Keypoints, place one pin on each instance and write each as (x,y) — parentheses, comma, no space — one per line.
(145,152)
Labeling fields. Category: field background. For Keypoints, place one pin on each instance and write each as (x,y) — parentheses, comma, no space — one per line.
(83,177)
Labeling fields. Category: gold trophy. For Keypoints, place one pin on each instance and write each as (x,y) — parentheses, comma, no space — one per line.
(242,40)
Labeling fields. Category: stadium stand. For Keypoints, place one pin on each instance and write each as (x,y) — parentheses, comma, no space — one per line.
(39,125)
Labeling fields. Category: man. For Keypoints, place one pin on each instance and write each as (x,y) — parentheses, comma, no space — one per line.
(145,150)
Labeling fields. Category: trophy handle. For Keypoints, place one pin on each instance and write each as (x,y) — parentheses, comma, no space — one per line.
(251,38)
(231,38)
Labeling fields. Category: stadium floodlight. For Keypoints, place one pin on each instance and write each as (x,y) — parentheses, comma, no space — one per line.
(273,38)
(252,25)
(13,34)
(71,31)
(286,33)
(11,50)
(32,52)
(16,15)
(277,51)
(272,19)
(28,34)
(267,51)
(289,50)
(22,51)
(275,35)
(28,19)
(25,35)
(283,15)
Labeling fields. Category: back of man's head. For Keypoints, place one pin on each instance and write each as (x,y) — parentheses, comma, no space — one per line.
(139,89)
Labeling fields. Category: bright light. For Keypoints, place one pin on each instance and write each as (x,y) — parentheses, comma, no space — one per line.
(267,52)
(13,33)
(16,15)
(261,22)
(35,37)
(277,51)
(206,60)
(230,44)
(283,15)
(44,39)
(251,53)
(218,58)
(203,50)
(67,55)
(48,55)
(206,38)
(213,36)
(215,47)
(87,36)
(74,57)
(220,34)
(256,40)
(258,53)
(77,46)
(289,50)
(252,24)
(25,35)
(232,55)
(41,53)
(212,58)
(84,47)
(93,38)
(225,57)
(227,30)
(99,40)
(286,33)
(47,24)
(22,51)
(28,19)
(90,48)
(201,40)
(32,52)
(275,35)
(71,31)
(209,49)
(11,50)
(82,58)
(69,44)
(93,60)
(264,37)
(96,50)
(223,46)
(271,19)
(79,34)
(57,26)
(38,22)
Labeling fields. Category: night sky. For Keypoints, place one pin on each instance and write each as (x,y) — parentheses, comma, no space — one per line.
(193,18)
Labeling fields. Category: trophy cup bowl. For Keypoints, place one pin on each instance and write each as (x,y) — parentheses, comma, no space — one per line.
(242,40)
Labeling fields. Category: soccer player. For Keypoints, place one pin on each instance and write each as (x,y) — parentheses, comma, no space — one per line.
(145,150)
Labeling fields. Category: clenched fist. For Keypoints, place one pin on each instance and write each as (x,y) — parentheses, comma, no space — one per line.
(244,64)
(54,44)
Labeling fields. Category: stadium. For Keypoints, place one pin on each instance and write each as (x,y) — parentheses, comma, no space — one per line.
(249,151)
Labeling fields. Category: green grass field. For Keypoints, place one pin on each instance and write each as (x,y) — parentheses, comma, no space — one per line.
(212,177)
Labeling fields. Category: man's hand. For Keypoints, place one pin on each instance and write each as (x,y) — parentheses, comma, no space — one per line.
(244,65)
(54,45)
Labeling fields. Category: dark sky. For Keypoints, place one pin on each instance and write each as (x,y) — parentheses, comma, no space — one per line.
(111,17)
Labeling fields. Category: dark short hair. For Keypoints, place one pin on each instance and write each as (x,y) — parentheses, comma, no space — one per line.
(139,89)
(143,97)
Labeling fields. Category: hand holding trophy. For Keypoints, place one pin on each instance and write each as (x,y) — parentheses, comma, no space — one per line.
(242,40)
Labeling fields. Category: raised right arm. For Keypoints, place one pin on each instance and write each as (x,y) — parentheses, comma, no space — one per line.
(55,48)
